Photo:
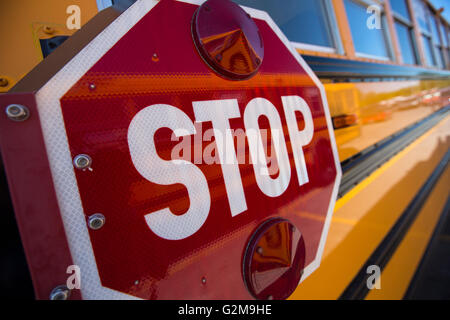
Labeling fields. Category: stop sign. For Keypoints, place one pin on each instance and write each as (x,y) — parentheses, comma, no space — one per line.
(189,165)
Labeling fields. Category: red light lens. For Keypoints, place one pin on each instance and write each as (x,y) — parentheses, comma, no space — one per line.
(227,39)
(274,260)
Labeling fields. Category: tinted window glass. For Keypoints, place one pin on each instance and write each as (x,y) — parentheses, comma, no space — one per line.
(444,35)
(435,31)
(301,21)
(400,7)
(406,43)
(421,13)
(428,51)
(368,41)
(440,53)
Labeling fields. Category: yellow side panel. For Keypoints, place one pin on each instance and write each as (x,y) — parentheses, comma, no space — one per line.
(397,274)
(382,109)
(365,214)
(23,23)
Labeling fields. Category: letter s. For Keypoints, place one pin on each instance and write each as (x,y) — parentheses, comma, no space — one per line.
(147,162)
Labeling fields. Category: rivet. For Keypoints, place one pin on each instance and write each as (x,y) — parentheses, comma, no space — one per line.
(155,58)
(260,250)
(82,162)
(92,86)
(203,280)
(270,298)
(96,221)
(4,82)
(17,112)
(136,282)
(49,30)
(60,293)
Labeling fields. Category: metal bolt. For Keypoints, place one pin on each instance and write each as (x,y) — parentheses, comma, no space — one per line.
(60,293)
(4,82)
(17,112)
(204,280)
(96,221)
(82,162)
(49,30)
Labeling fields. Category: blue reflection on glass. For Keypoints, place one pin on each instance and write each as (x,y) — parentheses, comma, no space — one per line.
(406,43)
(435,32)
(428,51)
(440,56)
(301,21)
(444,34)
(421,13)
(400,7)
(365,40)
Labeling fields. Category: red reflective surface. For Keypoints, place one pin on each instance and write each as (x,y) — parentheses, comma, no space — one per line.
(129,256)
(228,39)
(274,260)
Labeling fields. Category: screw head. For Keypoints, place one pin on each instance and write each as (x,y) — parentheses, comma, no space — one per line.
(96,221)
(4,82)
(49,30)
(60,293)
(82,161)
(17,112)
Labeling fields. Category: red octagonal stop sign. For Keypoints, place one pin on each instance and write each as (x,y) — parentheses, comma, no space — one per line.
(207,186)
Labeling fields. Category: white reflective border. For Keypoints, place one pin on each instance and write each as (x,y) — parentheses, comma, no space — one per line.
(58,151)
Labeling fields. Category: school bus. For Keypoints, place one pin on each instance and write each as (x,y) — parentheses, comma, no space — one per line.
(385,67)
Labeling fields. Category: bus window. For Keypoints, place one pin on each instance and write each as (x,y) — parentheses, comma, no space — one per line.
(369,43)
(400,7)
(309,25)
(444,35)
(422,14)
(424,17)
(439,49)
(405,34)
(405,39)
(428,50)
